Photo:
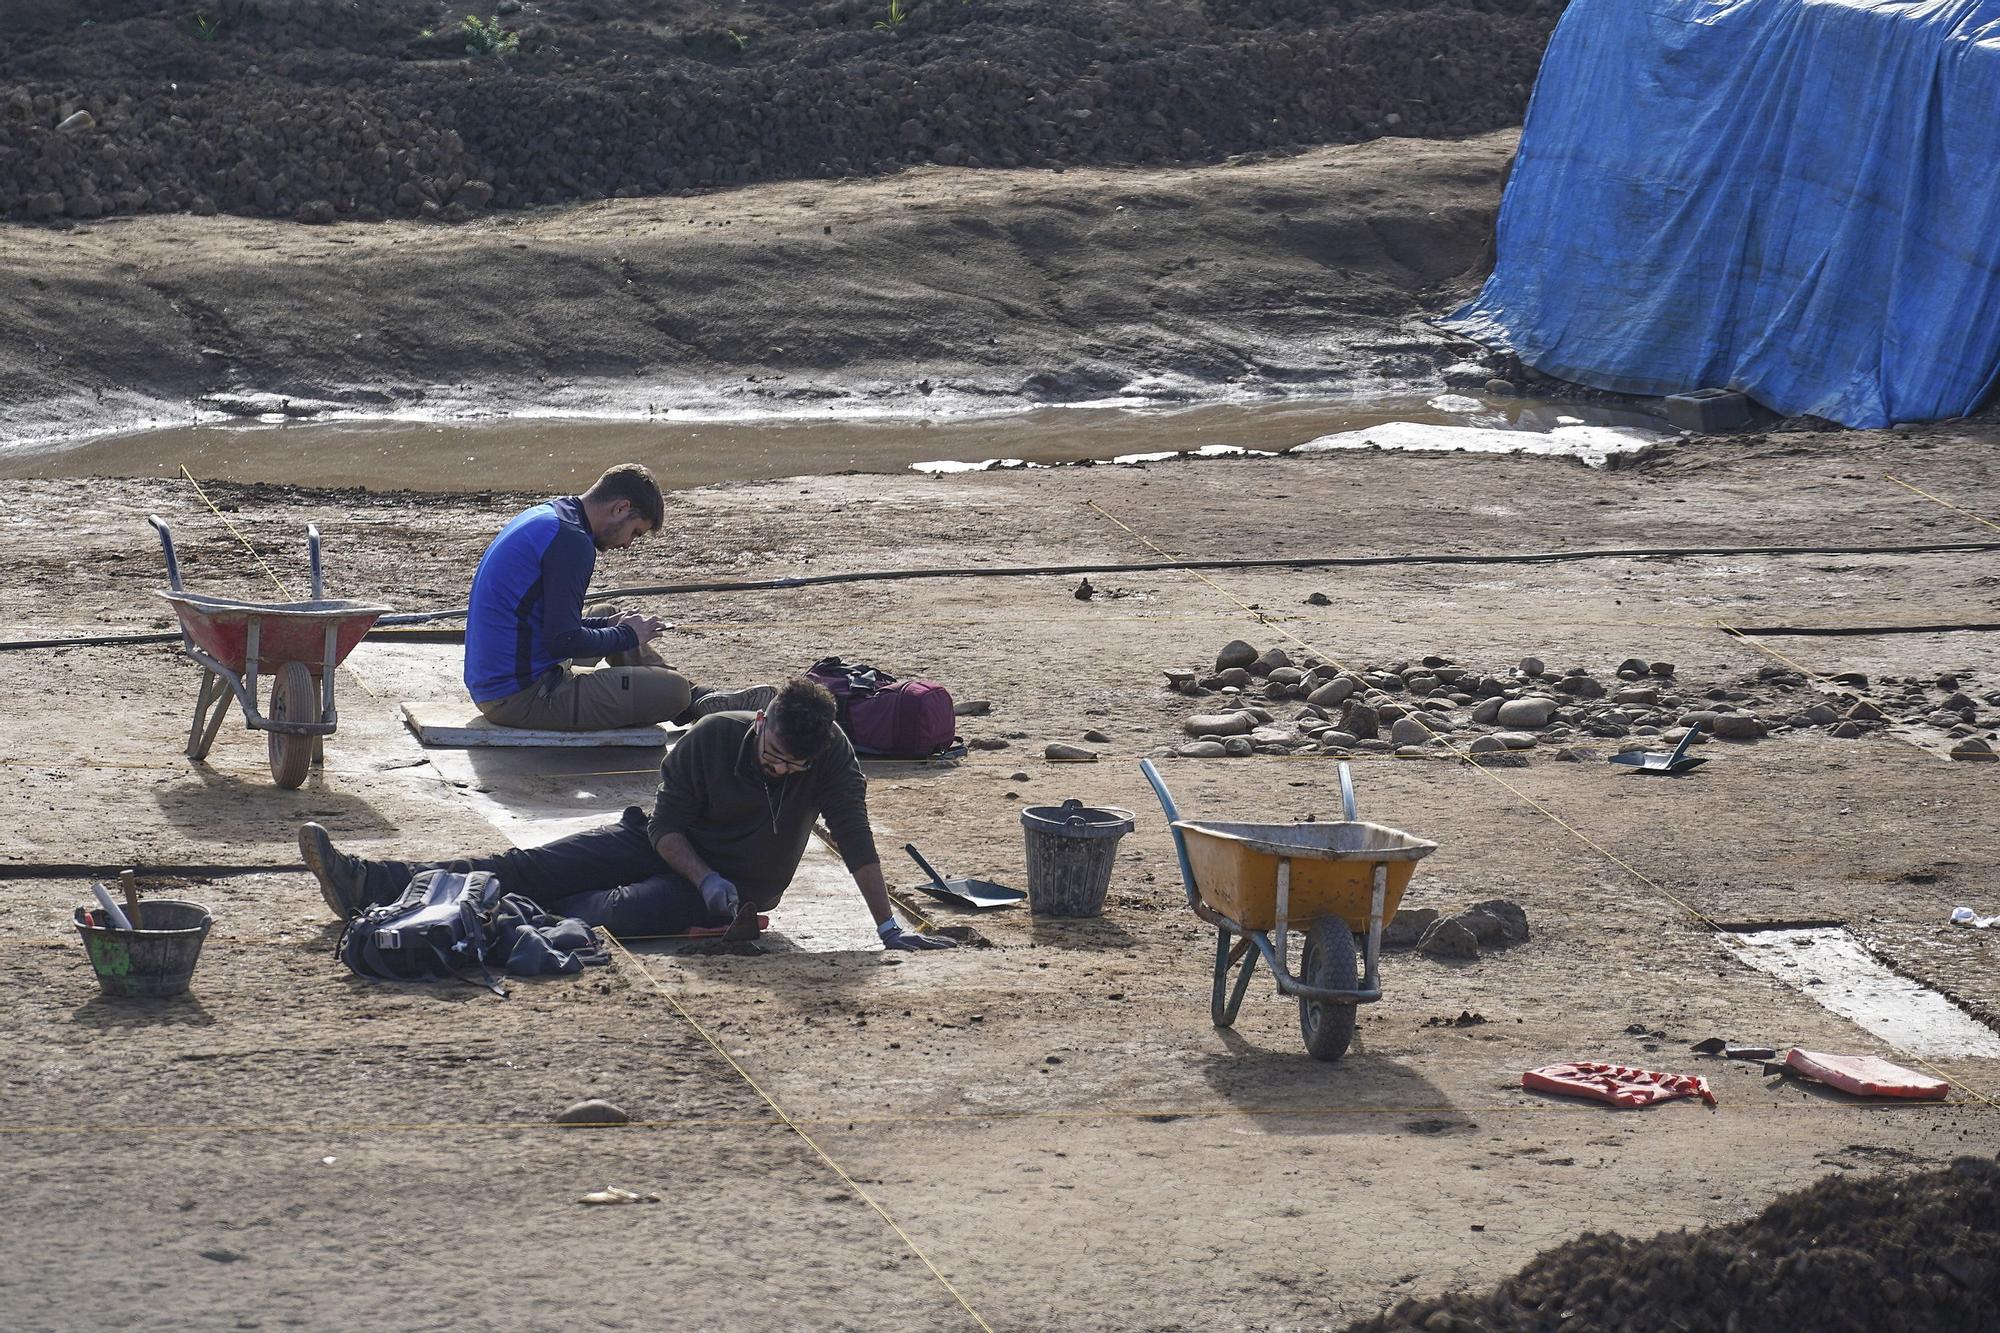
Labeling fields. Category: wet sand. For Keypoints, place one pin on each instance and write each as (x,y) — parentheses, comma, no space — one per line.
(525,453)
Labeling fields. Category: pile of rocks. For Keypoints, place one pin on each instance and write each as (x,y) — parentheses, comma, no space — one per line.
(1461,935)
(1437,707)
(371,108)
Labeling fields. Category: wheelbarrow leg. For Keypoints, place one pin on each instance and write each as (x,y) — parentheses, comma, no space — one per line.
(201,736)
(1224,1003)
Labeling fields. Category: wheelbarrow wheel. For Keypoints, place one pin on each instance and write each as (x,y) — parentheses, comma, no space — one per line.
(1328,961)
(294,698)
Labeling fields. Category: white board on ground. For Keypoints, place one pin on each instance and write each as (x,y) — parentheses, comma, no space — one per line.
(1830,965)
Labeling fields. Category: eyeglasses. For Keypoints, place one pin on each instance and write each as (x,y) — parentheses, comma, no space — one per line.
(776,757)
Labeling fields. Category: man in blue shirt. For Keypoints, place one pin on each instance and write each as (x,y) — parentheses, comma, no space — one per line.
(525,626)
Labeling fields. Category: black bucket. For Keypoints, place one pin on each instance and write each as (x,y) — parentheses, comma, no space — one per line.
(150,963)
(1070,851)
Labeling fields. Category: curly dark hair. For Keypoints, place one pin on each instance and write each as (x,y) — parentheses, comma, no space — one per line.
(803,717)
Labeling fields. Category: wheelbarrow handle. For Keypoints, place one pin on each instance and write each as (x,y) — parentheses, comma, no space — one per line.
(167,545)
(1173,816)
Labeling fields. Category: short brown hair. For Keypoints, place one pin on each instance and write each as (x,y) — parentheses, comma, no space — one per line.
(803,716)
(631,481)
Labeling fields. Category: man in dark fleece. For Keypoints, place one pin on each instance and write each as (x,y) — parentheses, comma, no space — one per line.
(525,625)
(738,797)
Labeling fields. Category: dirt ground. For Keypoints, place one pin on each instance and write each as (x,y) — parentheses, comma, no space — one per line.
(1052,1120)
(1048,1132)
(939,285)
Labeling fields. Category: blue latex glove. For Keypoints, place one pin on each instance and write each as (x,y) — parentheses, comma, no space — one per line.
(910,941)
(718,895)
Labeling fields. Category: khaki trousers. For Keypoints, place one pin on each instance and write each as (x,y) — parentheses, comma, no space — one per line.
(634,689)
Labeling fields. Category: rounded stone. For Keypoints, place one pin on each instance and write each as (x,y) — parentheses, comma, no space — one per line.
(1533,666)
(1534,711)
(1217,724)
(1409,731)
(1333,692)
(1202,750)
(1235,653)
(1237,747)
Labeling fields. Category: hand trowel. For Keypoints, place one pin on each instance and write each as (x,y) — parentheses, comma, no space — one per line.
(970,892)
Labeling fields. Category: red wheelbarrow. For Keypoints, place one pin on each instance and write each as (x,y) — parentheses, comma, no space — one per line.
(298,644)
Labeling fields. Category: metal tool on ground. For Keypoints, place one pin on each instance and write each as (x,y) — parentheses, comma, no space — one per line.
(981,893)
(298,643)
(1332,881)
(1662,764)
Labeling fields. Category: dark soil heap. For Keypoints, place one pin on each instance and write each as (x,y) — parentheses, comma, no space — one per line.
(369,108)
(1876,1255)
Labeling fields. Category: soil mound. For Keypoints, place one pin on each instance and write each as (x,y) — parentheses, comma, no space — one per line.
(1917,1252)
(373,108)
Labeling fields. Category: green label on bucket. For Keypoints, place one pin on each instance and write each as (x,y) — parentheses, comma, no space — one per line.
(110,956)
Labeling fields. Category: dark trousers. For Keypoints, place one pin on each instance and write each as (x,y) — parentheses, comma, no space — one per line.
(609,876)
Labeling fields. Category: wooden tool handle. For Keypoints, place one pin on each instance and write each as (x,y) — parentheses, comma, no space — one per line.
(128,880)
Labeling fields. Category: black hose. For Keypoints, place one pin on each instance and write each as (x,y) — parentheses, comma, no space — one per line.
(1281,562)
(1852,631)
(89,870)
(401,618)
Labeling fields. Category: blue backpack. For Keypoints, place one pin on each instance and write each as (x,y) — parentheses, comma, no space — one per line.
(448,923)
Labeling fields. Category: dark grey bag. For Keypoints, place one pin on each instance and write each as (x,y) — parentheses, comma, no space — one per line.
(448,924)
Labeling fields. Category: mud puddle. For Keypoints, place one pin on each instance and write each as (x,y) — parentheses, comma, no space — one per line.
(1831,966)
(555,454)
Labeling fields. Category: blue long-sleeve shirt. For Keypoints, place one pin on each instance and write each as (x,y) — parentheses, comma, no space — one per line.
(526,614)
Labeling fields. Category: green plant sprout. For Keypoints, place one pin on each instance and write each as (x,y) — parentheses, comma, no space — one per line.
(488,38)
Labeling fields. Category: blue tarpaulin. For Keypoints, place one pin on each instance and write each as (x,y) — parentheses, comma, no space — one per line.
(1798,198)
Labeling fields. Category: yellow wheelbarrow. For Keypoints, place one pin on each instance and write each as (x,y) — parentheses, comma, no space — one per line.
(1332,882)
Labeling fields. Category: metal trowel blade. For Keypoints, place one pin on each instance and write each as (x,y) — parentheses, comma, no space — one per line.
(972,892)
(1656,762)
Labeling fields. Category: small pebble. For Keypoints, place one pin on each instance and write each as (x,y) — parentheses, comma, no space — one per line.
(594,1111)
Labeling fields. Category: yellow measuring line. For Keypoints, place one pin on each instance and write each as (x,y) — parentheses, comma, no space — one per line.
(1946,503)
(286,592)
(798,1128)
